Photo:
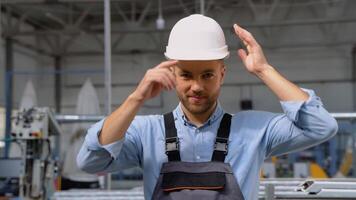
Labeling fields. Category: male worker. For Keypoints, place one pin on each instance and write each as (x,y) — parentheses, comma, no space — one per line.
(198,150)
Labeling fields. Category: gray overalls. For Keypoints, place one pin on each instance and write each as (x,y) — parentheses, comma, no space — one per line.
(197,180)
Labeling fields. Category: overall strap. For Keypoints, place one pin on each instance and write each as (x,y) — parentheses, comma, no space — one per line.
(172,142)
(222,137)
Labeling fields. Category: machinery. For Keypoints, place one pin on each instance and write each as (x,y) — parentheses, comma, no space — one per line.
(35,130)
(299,189)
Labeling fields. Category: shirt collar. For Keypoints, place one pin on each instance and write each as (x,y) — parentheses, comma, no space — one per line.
(178,112)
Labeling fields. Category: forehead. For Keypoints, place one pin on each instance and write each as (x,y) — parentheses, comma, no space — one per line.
(196,66)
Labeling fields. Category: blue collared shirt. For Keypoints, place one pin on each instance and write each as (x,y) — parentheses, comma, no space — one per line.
(254,136)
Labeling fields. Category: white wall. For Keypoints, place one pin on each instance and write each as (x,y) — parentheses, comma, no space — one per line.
(296,64)
(27,66)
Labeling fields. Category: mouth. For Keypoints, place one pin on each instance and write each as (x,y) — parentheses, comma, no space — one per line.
(196,99)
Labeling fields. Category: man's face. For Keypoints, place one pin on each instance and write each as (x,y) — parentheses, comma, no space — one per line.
(198,84)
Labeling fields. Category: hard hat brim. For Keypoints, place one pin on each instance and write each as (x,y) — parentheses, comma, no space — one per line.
(197,55)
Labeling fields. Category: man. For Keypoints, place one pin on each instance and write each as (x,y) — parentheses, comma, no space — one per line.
(203,146)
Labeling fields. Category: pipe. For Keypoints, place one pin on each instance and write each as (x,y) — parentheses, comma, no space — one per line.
(353,68)
(202,7)
(9,65)
(58,83)
(342,116)
(96,118)
(78,118)
(107,34)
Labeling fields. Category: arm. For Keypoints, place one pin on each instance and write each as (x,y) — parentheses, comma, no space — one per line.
(305,123)
(256,63)
(114,143)
(154,81)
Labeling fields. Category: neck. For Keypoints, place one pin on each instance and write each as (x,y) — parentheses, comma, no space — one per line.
(199,119)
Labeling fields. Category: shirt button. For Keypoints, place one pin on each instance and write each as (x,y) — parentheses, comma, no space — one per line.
(198,157)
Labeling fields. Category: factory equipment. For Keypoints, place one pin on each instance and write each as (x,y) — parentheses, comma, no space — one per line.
(299,189)
(269,189)
(34,130)
(128,194)
(9,177)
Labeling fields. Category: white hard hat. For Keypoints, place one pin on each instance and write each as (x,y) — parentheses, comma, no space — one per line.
(196,37)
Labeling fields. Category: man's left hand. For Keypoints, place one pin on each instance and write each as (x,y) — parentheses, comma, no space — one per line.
(254,59)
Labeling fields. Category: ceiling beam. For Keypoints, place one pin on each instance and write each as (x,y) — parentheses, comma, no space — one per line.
(30,2)
(326,44)
(5,9)
(225,27)
(33,47)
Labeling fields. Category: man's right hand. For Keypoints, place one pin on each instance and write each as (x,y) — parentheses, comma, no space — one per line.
(155,80)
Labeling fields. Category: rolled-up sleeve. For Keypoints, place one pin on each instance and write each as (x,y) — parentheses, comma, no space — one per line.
(96,158)
(303,124)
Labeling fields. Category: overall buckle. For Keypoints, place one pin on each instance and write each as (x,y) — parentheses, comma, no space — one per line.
(221,144)
(172,144)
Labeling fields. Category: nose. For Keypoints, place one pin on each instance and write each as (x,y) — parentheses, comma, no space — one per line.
(197,86)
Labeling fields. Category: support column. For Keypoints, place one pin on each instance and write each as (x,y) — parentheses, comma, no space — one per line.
(107,35)
(353,149)
(57,83)
(353,68)
(202,7)
(9,65)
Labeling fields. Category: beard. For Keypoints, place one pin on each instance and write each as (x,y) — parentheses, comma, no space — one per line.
(198,107)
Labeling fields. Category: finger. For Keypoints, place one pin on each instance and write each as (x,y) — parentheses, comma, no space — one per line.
(158,78)
(245,36)
(164,76)
(167,64)
(168,73)
(165,81)
(240,34)
(163,73)
(243,55)
(238,31)
(248,47)
(169,76)
(243,33)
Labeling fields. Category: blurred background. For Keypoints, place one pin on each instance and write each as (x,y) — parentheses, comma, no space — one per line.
(65,64)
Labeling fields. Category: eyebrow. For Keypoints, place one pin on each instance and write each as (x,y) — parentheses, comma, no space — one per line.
(206,71)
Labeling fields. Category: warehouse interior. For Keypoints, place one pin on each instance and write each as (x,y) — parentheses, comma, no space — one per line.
(72,62)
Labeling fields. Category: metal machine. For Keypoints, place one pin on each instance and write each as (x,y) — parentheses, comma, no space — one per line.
(35,130)
(299,189)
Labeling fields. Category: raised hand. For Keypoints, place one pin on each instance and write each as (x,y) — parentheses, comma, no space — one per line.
(155,80)
(254,59)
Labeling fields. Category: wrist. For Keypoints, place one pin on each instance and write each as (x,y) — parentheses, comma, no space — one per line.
(264,71)
(136,98)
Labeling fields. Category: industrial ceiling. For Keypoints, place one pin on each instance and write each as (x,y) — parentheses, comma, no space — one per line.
(59,23)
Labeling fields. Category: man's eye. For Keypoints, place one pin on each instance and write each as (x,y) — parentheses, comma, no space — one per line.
(185,75)
(208,75)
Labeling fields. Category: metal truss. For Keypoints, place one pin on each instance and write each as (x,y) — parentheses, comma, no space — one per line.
(59,30)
